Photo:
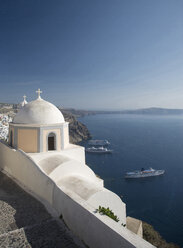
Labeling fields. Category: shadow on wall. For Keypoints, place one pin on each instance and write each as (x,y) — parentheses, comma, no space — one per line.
(20,210)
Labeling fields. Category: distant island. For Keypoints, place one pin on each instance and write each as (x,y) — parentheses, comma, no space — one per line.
(154,111)
(145,111)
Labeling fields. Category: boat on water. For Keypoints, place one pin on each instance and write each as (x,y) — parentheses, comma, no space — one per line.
(98,142)
(144,173)
(98,150)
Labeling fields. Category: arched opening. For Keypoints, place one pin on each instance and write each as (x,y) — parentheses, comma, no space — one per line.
(11,138)
(51,142)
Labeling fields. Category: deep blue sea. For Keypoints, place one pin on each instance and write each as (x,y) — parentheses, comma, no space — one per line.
(143,141)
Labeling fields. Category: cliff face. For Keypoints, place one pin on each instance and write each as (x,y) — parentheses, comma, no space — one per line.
(154,237)
(77,130)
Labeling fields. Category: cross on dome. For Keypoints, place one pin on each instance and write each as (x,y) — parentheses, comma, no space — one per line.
(24,101)
(39,93)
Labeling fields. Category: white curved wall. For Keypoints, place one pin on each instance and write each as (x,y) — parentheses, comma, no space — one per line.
(72,167)
(72,152)
(107,198)
(96,230)
(80,185)
(22,168)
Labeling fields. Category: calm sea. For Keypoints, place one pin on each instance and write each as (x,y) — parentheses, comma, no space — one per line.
(143,141)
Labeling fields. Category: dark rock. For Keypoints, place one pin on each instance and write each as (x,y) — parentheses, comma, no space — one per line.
(77,130)
(155,238)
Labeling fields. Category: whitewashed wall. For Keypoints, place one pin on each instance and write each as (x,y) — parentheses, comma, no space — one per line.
(95,230)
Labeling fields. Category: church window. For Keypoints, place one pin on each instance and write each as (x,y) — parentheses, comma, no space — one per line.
(51,142)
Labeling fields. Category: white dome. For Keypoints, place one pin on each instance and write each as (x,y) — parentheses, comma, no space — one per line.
(39,112)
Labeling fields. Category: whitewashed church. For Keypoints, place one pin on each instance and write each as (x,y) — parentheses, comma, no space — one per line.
(40,159)
(40,123)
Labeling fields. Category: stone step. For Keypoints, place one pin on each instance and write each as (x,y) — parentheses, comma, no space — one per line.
(48,234)
(24,221)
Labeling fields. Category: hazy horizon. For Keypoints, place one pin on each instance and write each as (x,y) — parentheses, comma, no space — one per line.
(115,110)
(114,55)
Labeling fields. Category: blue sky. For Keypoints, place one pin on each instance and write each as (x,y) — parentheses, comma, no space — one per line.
(99,54)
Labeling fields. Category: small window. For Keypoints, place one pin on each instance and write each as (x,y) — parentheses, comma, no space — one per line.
(51,142)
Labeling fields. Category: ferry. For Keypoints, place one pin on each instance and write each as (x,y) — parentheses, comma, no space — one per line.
(98,150)
(98,142)
(144,173)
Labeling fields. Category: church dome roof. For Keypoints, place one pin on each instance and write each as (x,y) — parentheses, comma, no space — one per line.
(39,112)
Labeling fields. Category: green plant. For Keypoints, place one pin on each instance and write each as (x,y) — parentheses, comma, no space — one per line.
(107,212)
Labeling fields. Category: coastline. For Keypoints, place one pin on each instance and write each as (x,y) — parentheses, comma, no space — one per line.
(77,130)
(153,237)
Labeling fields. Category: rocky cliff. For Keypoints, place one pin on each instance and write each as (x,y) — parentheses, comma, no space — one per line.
(154,237)
(77,130)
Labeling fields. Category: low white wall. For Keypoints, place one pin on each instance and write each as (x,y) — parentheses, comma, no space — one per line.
(74,167)
(72,152)
(75,152)
(23,169)
(57,166)
(107,198)
(95,230)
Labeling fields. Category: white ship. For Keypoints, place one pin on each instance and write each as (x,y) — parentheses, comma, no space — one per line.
(98,150)
(98,142)
(144,173)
